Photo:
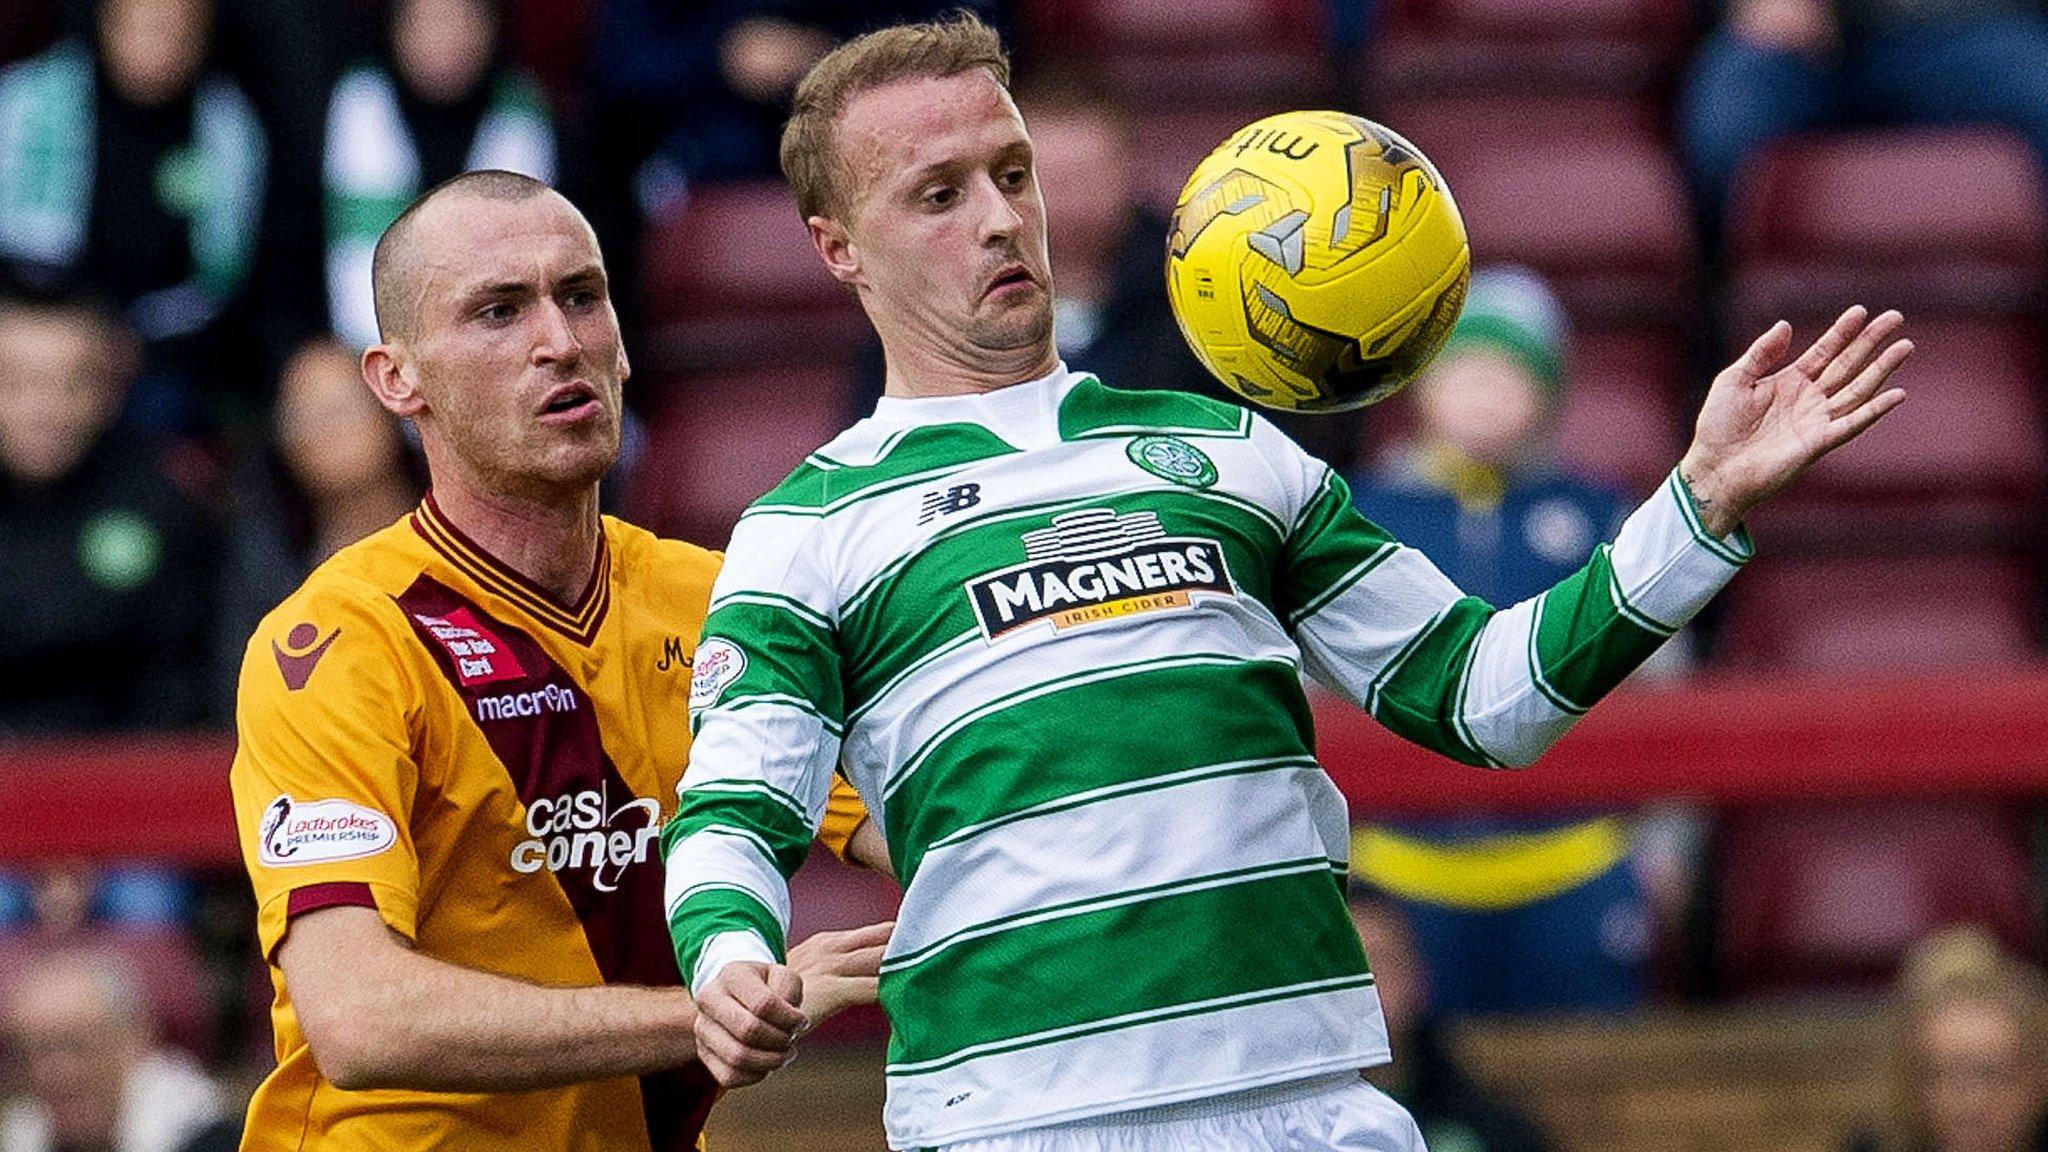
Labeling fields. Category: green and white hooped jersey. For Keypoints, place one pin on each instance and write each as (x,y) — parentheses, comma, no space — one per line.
(1055,634)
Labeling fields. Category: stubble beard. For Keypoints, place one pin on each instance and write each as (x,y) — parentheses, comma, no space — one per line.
(1013,337)
(547,468)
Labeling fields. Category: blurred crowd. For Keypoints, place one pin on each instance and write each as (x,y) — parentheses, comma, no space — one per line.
(190,190)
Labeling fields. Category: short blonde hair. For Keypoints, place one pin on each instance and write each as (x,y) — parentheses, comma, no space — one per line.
(1953,966)
(959,43)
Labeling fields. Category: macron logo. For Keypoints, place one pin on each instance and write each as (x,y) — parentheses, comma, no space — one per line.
(512,705)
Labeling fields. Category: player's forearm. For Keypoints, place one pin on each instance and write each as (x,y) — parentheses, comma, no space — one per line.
(1498,688)
(1540,665)
(867,848)
(389,1017)
(726,902)
(474,1032)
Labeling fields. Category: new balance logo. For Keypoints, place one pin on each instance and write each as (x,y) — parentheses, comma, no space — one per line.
(958,498)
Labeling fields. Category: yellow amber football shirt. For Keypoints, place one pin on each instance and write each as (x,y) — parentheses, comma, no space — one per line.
(423,731)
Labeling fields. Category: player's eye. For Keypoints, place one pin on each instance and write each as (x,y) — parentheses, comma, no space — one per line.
(581,298)
(942,196)
(497,313)
(1014,179)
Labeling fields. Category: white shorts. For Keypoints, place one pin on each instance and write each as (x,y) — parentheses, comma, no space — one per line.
(1328,1114)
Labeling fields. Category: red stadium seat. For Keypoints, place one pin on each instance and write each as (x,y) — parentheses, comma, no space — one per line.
(1880,613)
(552,39)
(1159,54)
(1603,216)
(1959,466)
(721,441)
(1620,422)
(1972,422)
(1453,125)
(1166,146)
(1817,895)
(1211,24)
(731,278)
(1948,219)
(1559,46)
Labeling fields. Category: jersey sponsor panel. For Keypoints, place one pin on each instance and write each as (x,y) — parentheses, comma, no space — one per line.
(984,576)
(1093,566)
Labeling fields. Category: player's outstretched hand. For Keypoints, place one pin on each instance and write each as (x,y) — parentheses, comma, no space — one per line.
(748,1020)
(840,969)
(1765,421)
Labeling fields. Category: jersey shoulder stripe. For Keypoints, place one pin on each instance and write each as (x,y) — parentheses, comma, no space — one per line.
(1093,408)
(864,462)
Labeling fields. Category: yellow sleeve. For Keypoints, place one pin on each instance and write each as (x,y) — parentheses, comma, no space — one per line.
(844,814)
(324,774)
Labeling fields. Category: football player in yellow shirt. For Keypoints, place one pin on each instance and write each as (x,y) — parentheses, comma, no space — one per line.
(458,740)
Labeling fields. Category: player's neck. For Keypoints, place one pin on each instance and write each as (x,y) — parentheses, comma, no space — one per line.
(915,372)
(552,541)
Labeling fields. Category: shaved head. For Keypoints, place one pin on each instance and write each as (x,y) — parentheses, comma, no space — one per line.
(499,339)
(394,268)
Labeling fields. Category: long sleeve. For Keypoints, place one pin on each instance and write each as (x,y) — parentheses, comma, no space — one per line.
(767,713)
(1381,625)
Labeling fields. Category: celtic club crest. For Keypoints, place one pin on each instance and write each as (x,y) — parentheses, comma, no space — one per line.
(1171,458)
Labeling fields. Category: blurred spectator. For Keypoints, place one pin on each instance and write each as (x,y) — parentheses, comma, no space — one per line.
(347,455)
(701,87)
(129,167)
(1774,67)
(94,1078)
(1455,1114)
(342,468)
(1971,1071)
(108,569)
(1523,914)
(1111,316)
(439,101)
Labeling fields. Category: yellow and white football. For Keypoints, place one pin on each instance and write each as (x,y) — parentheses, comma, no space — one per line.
(1316,262)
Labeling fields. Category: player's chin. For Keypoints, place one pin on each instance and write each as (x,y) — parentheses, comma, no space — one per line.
(581,456)
(1021,325)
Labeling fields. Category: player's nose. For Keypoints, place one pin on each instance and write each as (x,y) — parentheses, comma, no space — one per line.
(555,339)
(999,220)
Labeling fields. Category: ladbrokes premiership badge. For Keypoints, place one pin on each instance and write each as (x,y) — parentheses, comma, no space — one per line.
(1094,565)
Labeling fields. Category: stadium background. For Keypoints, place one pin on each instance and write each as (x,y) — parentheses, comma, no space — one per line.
(1855,761)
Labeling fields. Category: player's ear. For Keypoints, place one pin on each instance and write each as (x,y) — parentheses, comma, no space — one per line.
(388,371)
(836,247)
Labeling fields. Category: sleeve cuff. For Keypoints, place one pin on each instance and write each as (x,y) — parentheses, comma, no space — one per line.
(1736,547)
(729,948)
(333,893)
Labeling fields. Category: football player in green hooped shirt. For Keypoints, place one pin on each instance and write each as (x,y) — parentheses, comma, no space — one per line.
(913,169)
